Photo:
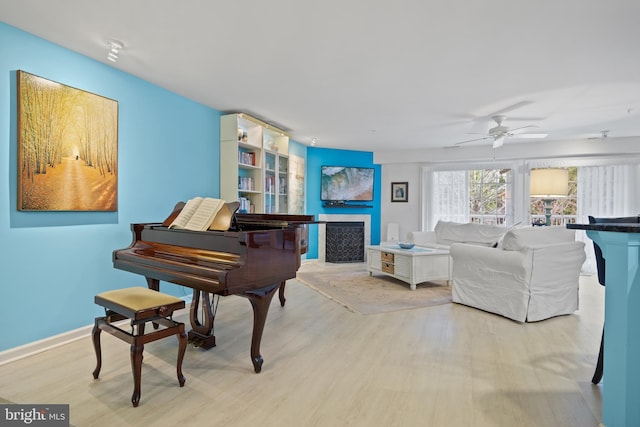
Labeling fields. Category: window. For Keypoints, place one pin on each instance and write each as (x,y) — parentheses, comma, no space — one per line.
(484,193)
(482,196)
(490,196)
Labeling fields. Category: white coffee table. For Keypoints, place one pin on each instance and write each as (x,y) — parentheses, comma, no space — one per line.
(413,266)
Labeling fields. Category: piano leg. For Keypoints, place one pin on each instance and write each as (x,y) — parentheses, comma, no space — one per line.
(260,300)
(153,284)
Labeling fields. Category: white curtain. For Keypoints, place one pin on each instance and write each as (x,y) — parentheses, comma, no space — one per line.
(605,191)
(449,197)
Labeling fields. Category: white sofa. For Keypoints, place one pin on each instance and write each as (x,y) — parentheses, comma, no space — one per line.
(532,275)
(446,233)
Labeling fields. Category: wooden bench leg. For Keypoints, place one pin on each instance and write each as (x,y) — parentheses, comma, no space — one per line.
(96,345)
(137,347)
(182,339)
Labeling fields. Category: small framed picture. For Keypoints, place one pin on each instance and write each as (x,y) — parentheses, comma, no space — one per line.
(399,191)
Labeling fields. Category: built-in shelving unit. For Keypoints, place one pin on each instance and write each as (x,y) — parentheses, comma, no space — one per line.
(254,164)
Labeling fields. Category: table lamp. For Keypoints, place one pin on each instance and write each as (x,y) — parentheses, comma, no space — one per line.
(549,184)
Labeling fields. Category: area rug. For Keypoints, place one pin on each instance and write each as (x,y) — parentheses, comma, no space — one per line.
(364,294)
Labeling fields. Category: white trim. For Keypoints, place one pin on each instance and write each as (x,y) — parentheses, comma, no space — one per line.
(32,348)
(49,343)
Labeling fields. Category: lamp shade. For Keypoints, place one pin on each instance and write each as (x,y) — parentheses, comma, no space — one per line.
(549,183)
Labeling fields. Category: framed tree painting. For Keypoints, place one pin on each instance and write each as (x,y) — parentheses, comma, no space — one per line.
(399,191)
(67,147)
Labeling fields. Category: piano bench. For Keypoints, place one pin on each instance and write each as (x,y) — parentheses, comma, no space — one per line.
(141,305)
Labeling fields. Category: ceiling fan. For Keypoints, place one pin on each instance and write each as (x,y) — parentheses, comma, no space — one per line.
(604,134)
(499,133)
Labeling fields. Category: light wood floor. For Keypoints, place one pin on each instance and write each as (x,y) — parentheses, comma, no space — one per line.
(444,366)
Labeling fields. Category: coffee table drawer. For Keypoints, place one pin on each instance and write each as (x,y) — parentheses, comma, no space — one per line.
(386,256)
(387,267)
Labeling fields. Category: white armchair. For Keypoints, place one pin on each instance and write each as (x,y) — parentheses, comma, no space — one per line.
(532,275)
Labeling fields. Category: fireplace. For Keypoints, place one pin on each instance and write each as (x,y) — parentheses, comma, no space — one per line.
(322,244)
(344,242)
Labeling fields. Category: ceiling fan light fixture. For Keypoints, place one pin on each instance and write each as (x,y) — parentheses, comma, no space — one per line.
(499,133)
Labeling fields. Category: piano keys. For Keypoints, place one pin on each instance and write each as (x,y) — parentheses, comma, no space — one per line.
(253,260)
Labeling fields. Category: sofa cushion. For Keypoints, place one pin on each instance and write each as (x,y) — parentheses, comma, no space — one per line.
(423,238)
(521,238)
(476,234)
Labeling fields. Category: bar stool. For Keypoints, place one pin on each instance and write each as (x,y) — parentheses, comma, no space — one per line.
(141,305)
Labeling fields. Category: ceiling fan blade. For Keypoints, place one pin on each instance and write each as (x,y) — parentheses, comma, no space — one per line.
(472,140)
(511,108)
(604,134)
(526,119)
(531,135)
(521,129)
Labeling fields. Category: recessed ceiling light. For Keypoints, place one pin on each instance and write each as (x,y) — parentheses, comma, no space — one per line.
(114,50)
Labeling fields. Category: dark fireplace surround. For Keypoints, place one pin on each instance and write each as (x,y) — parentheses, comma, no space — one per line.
(344,241)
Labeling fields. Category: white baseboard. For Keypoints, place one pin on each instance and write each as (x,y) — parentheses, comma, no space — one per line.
(26,350)
(13,354)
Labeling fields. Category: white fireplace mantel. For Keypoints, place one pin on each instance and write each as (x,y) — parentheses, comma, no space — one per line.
(322,230)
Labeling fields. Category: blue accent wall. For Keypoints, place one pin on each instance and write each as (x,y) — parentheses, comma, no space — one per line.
(53,263)
(317,157)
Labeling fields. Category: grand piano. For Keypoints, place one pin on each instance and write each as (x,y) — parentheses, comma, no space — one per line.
(253,259)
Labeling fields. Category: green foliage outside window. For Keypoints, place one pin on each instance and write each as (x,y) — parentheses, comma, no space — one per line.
(489,195)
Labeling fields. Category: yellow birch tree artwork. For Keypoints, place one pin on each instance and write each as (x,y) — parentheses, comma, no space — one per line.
(67,148)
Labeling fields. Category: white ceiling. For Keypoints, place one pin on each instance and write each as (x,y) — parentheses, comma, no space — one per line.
(373,75)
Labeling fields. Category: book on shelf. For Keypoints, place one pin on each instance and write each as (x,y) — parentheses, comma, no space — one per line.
(247,158)
(198,214)
(246,205)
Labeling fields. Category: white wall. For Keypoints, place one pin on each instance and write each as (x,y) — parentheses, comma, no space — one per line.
(405,214)
(401,166)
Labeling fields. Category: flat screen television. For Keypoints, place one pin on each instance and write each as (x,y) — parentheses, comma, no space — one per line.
(346,183)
